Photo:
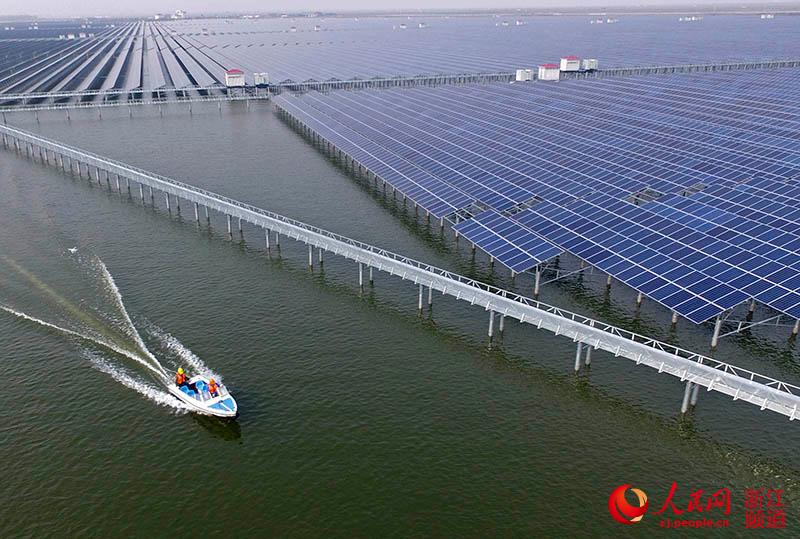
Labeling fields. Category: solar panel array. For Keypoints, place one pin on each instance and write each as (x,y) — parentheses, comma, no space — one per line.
(129,56)
(159,56)
(508,241)
(344,48)
(685,187)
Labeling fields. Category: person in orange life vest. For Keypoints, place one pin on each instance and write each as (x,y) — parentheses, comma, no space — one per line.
(182,380)
(213,388)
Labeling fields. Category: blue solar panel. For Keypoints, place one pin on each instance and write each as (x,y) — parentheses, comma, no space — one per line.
(509,242)
(343,47)
(695,208)
(671,282)
(430,192)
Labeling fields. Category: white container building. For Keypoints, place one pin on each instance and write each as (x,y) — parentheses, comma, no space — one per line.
(234,78)
(261,79)
(549,72)
(589,64)
(524,75)
(570,63)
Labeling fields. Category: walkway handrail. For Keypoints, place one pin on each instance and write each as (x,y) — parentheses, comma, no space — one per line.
(22,101)
(110,92)
(712,373)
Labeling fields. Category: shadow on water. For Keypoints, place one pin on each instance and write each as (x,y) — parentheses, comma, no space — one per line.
(603,307)
(782,355)
(225,429)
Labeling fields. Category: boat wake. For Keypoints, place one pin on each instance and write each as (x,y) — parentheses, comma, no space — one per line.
(173,349)
(83,337)
(151,391)
(107,335)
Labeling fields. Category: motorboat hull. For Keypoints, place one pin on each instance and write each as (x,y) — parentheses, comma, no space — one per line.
(195,395)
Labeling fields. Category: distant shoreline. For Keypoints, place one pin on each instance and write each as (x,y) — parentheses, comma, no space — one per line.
(789,8)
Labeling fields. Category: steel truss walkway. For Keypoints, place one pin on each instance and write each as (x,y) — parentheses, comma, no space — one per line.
(589,334)
(140,96)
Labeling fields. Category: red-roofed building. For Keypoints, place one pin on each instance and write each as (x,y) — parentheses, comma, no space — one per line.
(234,78)
(570,63)
(549,72)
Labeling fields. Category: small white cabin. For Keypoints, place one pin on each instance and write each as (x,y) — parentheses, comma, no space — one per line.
(549,72)
(234,78)
(524,75)
(570,63)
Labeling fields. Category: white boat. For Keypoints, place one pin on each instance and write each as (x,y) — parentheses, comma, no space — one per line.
(195,394)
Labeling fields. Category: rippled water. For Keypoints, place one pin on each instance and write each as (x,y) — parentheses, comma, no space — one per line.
(358,417)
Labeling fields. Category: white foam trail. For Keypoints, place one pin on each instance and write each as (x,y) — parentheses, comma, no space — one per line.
(116,297)
(142,387)
(95,340)
(176,347)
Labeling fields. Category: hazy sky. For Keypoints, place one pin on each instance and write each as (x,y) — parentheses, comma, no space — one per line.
(53,8)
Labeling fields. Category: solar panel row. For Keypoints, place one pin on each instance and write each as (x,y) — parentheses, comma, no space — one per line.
(506,240)
(684,187)
(428,191)
(344,48)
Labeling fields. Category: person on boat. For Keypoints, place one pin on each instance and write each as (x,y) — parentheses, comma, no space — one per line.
(181,380)
(180,377)
(213,388)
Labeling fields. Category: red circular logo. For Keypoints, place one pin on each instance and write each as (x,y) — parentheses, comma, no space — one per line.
(624,512)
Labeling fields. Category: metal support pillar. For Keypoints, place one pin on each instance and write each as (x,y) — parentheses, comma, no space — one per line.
(717,328)
(537,282)
(674,318)
(371,282)
(361,276)
(266,237)
(319,252)
(419,302)
(277,240)
(751,309)
(240,225)
(141,192)
(502,323)
(430,297)
(491,325)
(578,351)
(152,200)
(587,359)
(128,184)
(608,282)
(166,197)
(196,212)
(686,394)
(310,256)
(639,299)
(230,233)
(119,189)
(796,328)
(695,393)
